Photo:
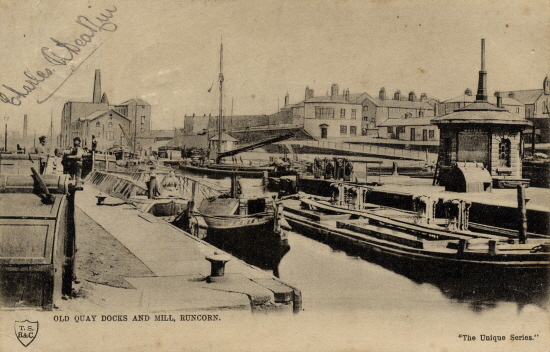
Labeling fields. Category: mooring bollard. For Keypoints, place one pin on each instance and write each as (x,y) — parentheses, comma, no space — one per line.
(101,199)
(217,270)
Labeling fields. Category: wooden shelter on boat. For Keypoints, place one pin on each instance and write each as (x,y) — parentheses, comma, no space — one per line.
(480,143)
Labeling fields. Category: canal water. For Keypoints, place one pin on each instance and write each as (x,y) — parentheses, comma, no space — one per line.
(337,286)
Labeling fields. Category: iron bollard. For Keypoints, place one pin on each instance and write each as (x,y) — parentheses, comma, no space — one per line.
(101,199)
(217,270)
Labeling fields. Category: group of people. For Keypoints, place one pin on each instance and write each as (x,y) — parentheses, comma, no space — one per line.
(335,168)
(71,159)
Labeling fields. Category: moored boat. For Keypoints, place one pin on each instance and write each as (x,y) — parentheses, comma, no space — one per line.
(416,239)
(249,227)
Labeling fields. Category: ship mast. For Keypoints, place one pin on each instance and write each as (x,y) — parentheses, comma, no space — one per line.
(220,115)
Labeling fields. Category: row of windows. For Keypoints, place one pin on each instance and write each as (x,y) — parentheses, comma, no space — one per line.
(401,129)
(98,124)
(344,130)
(353,114)
(325,113)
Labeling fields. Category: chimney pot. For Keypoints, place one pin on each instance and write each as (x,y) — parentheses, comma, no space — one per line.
(382,94)
(334,90)
(397,95)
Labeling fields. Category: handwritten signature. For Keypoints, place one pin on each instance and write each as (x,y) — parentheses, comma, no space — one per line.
(64,53)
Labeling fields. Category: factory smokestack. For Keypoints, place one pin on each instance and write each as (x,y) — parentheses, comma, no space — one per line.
(97,87)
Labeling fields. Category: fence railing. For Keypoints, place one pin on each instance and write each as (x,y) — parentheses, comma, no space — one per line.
(373,149)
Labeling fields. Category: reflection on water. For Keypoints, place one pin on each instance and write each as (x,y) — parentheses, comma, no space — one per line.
(331,278)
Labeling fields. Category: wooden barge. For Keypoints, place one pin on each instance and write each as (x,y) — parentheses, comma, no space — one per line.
(419,240)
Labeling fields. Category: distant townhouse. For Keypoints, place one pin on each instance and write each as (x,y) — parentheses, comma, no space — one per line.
(409,129)
(334,115)
(535,108)
(378,110)
(349,115)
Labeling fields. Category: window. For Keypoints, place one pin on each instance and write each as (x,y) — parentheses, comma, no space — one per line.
(504,153)
(110,125)
(353,114)
(143,120)
(352,130)
(110,135)
(431,134)
(401,129)
(342,113)
(343,129)
(97,124)
(390,129)
(372,120)
(364,132)
(324,113)
(517,110)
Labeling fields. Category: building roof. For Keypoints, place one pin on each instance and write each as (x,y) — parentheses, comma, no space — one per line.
(353,99)
(528,96)
(403,104)
(100,113)
(492,100)
(481,113)
(134,101)
(225,137)
(414,121)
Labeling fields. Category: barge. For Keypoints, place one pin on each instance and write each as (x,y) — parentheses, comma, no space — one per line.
(420,240)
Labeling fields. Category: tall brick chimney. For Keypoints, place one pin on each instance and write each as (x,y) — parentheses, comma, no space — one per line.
(97,87)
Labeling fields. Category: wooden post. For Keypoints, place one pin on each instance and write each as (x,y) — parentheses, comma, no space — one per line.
(193,191)
(522,214)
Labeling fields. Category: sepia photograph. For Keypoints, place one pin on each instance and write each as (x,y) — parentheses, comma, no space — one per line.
(275,175)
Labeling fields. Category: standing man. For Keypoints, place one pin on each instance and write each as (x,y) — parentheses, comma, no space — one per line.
(43,153)
(75,162)
(94,144)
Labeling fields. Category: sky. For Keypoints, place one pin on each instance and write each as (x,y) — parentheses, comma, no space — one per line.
(167,52)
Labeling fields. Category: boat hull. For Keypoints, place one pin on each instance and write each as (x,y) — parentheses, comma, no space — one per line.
(243,172)
(398,255)
(253,240)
